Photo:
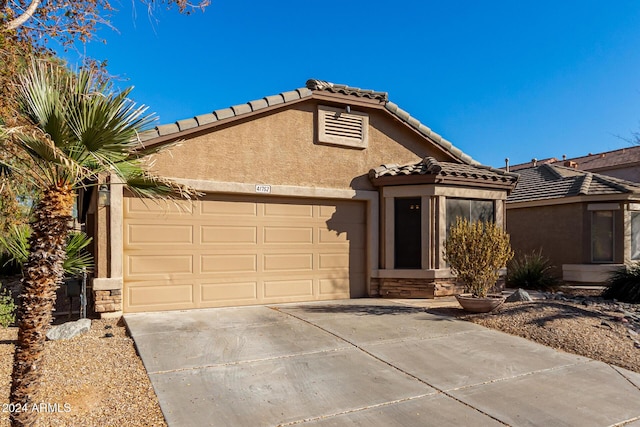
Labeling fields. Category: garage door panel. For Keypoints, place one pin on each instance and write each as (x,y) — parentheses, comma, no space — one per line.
(241,250)
(287,210)
(160,296)
(228,234)
(288,288)
(229,208)
(145,234)
(163,207)
(229,291)
(288,262)
(153,265)
(291,235)
(335,287)
(241,263)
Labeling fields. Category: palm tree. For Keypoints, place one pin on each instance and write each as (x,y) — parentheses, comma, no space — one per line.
(83,130)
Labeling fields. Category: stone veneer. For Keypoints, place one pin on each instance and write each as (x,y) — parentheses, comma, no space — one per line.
(419,288)
(107,301)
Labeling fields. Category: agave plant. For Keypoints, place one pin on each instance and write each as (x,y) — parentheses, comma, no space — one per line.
(82,131)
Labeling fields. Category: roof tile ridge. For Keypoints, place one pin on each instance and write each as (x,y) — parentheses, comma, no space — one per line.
(586,183)
(552,169)
(426,131)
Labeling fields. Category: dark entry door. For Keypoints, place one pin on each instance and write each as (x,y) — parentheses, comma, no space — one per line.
(408,247)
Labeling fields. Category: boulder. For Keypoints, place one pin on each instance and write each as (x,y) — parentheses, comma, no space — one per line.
(69,330)
(519,295)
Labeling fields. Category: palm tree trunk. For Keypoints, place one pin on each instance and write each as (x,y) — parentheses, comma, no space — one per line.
(43,273)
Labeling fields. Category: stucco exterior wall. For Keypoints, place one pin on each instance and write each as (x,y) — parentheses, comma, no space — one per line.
(280,148)
(562,231)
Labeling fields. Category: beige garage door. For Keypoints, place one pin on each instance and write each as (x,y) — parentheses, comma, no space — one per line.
(227,250)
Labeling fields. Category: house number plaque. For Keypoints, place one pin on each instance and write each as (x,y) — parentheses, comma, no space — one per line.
(263,188)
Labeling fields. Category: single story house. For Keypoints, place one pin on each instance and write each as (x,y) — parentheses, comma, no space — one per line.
(296,207)
(623,163)
(586,223)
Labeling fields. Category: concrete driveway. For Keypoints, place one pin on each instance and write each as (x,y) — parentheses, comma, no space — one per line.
(368,362)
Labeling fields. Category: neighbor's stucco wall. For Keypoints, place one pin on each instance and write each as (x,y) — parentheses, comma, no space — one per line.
(560,231)
(279,148)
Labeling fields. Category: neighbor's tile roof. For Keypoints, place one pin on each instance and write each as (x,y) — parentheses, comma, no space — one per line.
(552,182)
(430,166)
(297,94)
(593,162)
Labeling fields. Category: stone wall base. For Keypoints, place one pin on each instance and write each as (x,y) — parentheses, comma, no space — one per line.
(419,288)
(107,301)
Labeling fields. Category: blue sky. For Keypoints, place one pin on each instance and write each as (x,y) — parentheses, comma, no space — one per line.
(498,79)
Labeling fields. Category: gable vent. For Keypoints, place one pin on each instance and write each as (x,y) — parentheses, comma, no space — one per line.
(338,127)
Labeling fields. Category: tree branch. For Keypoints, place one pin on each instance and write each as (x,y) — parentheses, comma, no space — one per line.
(15,23)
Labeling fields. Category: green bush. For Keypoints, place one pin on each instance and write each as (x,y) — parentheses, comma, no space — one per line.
(476,252)
(7,309)
(624,284)
(531,271)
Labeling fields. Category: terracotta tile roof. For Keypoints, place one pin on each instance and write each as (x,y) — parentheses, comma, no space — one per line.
(593,162)
(430,166)
(301,93)
(552,182)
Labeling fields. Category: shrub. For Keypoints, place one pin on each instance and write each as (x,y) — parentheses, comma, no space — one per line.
(624,284)
(476,252)
(7,309)
(531,271)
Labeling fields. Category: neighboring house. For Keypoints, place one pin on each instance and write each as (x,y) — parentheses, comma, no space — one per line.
(295,207)
(623,163)
(586,223)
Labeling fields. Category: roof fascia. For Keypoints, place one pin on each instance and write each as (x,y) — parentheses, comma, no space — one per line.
(570,200)
(440,180)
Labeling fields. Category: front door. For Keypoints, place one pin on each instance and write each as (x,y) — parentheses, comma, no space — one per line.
(408,245)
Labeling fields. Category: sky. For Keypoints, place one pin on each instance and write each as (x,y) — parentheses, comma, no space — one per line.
(499,79)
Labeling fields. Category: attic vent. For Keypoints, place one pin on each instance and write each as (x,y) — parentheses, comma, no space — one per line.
(338,127)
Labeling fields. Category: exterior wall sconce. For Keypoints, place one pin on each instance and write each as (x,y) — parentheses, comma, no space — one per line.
(104,195)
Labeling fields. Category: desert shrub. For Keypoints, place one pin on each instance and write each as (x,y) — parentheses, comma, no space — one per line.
(624,284)
(7,309)
(531,271)
(476,252)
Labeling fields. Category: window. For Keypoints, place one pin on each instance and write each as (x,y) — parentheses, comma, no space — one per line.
(472,210)
(635,235)
(342,127)
(602,223)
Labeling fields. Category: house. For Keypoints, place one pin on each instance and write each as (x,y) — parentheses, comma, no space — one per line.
(586,223)
(623,163)
(296,206)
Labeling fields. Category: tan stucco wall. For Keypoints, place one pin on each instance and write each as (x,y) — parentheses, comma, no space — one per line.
(562,231)
(559,230)
(279,148)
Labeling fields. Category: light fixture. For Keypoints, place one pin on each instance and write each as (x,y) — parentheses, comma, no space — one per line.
(104,195)
(348,109)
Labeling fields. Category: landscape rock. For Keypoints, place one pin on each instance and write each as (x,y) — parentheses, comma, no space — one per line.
(69,330)
(519,295)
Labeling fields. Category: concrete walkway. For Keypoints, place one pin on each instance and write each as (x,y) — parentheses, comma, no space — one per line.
(368,362)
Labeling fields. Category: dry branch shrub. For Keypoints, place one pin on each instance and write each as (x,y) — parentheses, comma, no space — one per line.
(476,252)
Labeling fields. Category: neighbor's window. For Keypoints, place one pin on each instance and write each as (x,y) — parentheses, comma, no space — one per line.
(472,210)
(635,235)
(602,223)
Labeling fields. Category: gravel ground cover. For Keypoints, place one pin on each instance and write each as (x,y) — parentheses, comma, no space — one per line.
(101,378)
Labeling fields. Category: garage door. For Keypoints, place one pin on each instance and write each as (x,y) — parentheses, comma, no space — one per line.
(227,250)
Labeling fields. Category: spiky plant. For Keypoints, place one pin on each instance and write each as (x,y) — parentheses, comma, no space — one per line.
(624,284)
(476,252)
(531,271)
(82,130)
